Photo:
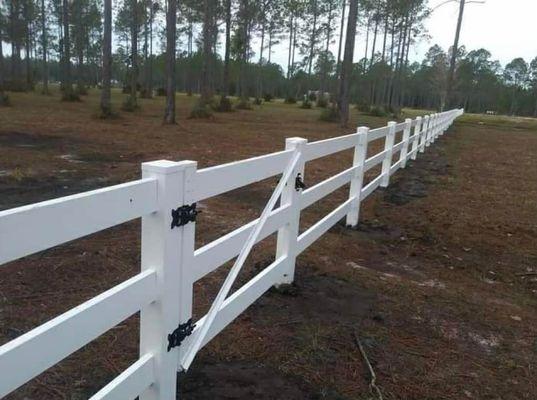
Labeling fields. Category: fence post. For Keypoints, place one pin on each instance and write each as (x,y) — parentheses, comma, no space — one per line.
(288,234)
(406,136)
(430,131)
(388,147)
(360,155)
(441,126)
(416,140)
(163,249)
(423,134)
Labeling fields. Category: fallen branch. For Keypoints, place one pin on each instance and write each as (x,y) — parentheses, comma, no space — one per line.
(526,273)
(373,382)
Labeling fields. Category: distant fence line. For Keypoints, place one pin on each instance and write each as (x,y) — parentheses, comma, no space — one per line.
(165,198)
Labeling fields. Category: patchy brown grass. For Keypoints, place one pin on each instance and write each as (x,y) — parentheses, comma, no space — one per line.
(435,280)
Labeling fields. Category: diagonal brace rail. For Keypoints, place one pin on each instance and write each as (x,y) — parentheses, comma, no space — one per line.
(191,352)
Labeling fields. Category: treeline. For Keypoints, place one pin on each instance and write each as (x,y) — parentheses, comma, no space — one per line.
(226,47)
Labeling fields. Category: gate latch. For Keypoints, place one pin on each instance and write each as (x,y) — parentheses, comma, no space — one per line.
(299,183)
(177,336)
(183,215)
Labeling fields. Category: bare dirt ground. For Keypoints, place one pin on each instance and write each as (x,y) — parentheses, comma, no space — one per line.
(439,282)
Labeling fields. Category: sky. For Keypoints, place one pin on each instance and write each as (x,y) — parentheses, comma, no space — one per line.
(507,28)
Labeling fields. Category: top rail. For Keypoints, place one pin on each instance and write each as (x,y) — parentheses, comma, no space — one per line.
(212,181)
(28,229)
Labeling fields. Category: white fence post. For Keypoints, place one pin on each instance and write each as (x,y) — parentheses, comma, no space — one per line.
(423,134)
(406,136)
(288,234)
(430,131)
(162,250)
(416,140)
(360,155)
(388,147)
(441,125)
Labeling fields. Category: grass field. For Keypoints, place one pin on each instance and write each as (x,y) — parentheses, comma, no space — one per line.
(439,281)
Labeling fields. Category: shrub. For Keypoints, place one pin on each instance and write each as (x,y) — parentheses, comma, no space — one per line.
(395,112)
(244,104)
(258,101)
(161,91)
(306,104)
(322,102)
(363,107)
(145,93)
(312,97)
(268,97)
(81,90)
(329,114)
(70,96)
(224,105)
(201,110)
(16,86)
(290,100)
(378,111)
(4,100)
(130,105)
(107,113)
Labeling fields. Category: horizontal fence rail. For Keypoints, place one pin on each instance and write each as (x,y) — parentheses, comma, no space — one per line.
(162,292)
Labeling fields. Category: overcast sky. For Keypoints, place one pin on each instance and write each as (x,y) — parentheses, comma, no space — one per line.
(507,28)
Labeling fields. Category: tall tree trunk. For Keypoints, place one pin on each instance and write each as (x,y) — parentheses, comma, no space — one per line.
(313,38)
(244,32)
(346,70)
(340,44)
(106,105)
(225,84)
(3,98)
(294,46)
(271,32)
(145,92)
(169,114)
(328,27)
(289,66)
(367,39)
(374,41)
(133,99)
(81,87)
(393,42)
(44,45)
(206,92)
(28,59)
(150,67)
(454,51)
(68,93)
(262,46)
(385,38)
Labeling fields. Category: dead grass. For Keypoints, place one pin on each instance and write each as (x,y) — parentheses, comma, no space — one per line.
(431,280)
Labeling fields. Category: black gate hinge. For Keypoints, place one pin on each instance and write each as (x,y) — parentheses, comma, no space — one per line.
(177,336)
(299,183)
(183,215)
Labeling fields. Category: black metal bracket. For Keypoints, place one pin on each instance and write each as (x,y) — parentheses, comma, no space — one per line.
(183,215)
(299,183)
(177,336)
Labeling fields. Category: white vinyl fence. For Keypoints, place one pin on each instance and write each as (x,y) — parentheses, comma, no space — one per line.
(165,198)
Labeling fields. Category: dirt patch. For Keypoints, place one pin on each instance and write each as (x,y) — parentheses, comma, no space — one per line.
(241,380)
(415,181)
(317,299)
(30,140)
(26,190)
